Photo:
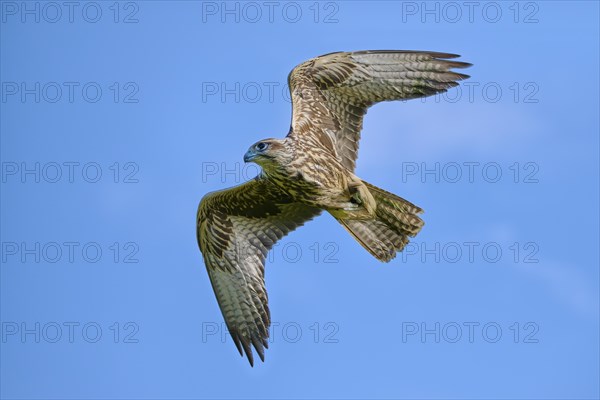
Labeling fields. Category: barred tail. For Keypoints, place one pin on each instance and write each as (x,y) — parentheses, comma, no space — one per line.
(396,220)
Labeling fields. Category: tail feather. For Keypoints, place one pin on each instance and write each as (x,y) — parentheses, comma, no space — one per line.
(376,237)
(396,220)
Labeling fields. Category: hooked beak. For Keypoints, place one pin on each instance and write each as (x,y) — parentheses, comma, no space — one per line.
(249,156)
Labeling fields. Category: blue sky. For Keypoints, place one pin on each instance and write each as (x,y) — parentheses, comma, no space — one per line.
(116,118)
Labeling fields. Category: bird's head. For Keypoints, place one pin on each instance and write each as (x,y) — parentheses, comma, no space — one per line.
(267,153)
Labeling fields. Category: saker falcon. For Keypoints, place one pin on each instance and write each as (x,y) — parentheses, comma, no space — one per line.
(311,170)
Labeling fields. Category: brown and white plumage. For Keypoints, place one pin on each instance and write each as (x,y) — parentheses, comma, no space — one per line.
(310,170)
(236,229)
(333,92)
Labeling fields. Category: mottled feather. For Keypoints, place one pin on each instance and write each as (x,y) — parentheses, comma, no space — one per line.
(331,93)
(235,230)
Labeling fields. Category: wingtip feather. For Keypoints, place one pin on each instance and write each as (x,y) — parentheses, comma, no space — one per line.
(248,351)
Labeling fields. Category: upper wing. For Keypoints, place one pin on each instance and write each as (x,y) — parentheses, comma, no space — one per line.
(331,93)
(236,228)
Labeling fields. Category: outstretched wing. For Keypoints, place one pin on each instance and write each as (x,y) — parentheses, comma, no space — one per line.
(236,228)
(331,93)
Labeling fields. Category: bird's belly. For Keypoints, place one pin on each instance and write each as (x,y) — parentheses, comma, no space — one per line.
(304,191)
(313,186)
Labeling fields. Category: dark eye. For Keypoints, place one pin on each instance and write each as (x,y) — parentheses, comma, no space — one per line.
(261,146)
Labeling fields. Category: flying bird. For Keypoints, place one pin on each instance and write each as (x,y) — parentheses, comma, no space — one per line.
(311,170)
